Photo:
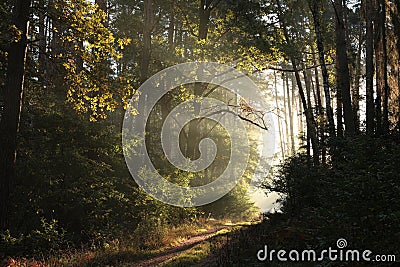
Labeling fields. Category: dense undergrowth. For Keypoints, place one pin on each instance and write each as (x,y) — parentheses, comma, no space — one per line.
(354,196)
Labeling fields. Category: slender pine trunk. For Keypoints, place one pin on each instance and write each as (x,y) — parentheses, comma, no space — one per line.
(369,58)
(9,124)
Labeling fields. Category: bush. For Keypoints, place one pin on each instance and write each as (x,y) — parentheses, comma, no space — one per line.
(47,238)
(150,232)
(354,196)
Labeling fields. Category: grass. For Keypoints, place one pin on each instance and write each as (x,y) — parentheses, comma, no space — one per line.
(124,252)
(191,256)
(127,252)
(201,253)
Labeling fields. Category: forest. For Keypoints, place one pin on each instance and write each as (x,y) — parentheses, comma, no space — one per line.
(73,191)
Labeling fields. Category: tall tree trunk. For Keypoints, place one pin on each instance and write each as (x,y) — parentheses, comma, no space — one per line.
(298,108)
(381,68)
(9,124)
(301,113)
(343,74)
(42,43)
(320,109)
(148,19)
(290,107)
(395,15)
(294,110)
(369,58)
(309,106)
(194,131)
(385,84)
(308,112)
(311,125)
(314,6)
(279,117)
(285,114)
(204,14)
(339,103)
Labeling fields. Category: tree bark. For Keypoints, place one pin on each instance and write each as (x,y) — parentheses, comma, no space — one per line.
(298,108)
(385,84)
(290,111)
(285,114)
(320,110)
(294,110)
(194,131)
(369,58)
(343,74)
(204,14)
(279,117)
(309,106)
(9,124)
(314,6)
(382,88)
(148,18)
(395,15)
(339,103)
(42,43)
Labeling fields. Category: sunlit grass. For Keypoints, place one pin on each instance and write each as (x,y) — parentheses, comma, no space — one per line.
(191,256)
(199,253)
(127,252)
(222,232)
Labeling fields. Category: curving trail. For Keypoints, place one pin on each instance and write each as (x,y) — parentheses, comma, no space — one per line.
(178,249)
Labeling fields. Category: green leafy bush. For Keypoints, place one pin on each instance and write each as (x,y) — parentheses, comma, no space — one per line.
(354,196)
(48,237)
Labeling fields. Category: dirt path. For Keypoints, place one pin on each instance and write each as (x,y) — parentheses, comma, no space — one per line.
(178,249)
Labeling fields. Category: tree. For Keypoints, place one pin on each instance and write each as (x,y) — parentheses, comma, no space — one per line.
(311,125)
(381,59)
(89,84)
(281,138)
(9,123)
(395,16)
(148,24)
(314,6)
(369,58)
(343,75)
(290,106)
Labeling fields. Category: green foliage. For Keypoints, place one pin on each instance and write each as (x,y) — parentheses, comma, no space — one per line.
(354,196)
(74,186)
(88,48)
(150,231)
(46,238)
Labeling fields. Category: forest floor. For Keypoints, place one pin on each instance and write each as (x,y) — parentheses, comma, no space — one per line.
(193,249)
(181,249)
